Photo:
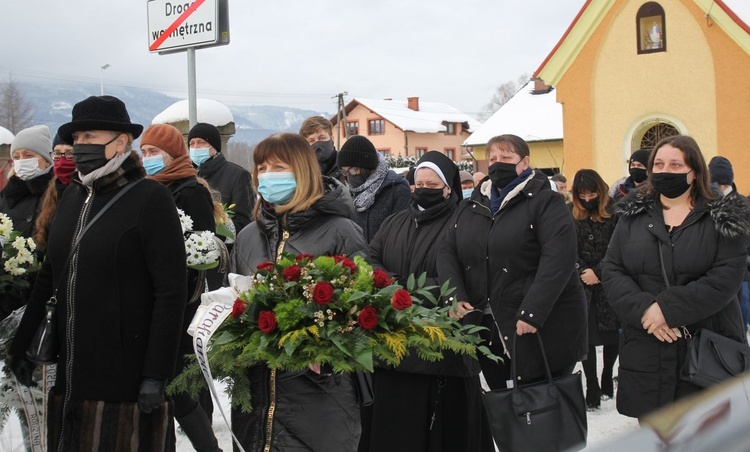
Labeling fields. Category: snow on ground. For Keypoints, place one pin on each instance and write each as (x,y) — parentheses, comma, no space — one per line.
(605,425)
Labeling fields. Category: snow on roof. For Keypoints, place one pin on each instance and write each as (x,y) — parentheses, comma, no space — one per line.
(6,137)
(209,111)
(533,117)
(429,118)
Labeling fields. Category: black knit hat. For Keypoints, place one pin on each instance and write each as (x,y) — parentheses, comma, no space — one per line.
(358,152)
(99,113)
(721,171)
(447,167)
(208,132)
(641,156)
(57,140)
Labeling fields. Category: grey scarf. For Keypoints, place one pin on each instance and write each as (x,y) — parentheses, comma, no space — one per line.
(364,195)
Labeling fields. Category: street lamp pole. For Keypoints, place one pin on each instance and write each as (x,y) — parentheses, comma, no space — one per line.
(101,78)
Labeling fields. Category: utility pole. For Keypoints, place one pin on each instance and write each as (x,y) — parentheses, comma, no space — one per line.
(341,116)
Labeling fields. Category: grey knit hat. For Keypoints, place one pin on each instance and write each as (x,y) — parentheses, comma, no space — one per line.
(36,139)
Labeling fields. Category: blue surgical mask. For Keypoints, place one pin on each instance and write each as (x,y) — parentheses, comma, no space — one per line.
(154,164)
(277,188)
(466,192)
(199,155)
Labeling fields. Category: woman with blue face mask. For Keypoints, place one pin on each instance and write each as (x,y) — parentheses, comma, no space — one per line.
(166,160)
(298,212)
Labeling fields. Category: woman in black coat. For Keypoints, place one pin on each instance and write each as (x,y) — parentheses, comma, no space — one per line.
(298,212)
(121,299)
(421,405)
(166,160)
(511,254)
(674,229)
(594,227)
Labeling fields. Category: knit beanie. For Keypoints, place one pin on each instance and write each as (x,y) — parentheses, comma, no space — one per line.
(208,132)
(57,141)
(358,152)
(165,137)
(36,139)
(641,156)
(721,171)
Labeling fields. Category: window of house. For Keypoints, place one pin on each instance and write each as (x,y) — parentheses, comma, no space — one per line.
(421,152)
(352,128)
(385,152)
(450,153)
(450,128)
(652,28)
(376,127)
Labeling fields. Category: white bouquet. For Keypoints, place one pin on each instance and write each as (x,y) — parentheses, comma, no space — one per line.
(18,256)
(201,247)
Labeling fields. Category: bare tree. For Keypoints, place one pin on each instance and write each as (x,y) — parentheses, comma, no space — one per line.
(503,93)
(15,110)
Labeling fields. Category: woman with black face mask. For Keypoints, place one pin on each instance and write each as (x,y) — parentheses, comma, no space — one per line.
(421,405)
(510,252)
(594,227)
(675,264)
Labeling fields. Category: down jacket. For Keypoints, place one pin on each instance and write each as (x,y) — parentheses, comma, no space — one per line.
(704,261)
(235,185)
(312,412)
(521,261)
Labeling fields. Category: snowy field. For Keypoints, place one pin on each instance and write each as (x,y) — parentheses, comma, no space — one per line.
(605,425)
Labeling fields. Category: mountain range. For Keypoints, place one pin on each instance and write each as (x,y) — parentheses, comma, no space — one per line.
(52,104)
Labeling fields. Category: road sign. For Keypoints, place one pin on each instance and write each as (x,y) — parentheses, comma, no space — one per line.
(175,25)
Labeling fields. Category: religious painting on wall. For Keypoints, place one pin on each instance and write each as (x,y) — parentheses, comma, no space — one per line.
(651,28)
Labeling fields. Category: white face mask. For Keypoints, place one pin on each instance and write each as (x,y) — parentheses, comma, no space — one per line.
(27,168)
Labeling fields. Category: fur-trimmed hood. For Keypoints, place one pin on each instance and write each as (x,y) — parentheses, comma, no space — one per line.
(730,214)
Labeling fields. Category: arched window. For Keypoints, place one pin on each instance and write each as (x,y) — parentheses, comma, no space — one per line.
(652,28)
(654,134)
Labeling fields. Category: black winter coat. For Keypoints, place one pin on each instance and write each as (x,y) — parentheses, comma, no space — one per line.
(704,260)
(593,239)
(21,201)
(234,184)
(312,412)
(522,261)
(394,195)
(121,301)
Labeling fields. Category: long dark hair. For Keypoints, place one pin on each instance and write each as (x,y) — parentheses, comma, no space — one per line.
(590,180)
(701,185)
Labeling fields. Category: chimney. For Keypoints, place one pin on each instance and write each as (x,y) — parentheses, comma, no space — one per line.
(540,87)
(413,103)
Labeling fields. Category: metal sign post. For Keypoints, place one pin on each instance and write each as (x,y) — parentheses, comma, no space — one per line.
(192,101)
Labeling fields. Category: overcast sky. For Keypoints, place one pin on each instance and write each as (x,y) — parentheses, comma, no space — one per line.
(295,53)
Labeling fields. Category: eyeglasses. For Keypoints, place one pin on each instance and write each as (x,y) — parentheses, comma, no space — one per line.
(57,155)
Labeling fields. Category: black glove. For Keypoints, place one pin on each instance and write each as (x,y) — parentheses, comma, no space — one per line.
(151,395)
(23,369)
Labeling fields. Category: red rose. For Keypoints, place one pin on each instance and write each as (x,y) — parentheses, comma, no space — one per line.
(322,293)
(346,263)
(292,273)
(266,321)
(265,266)
(380,279)
(401,299)
(301,257)
(238,307)
(368,318)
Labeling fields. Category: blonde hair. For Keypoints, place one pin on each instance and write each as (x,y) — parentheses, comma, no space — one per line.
(293,150)
(315,124)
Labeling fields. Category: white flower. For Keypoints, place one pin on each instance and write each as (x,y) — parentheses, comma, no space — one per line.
(185,221)
(6,226)
(201,249)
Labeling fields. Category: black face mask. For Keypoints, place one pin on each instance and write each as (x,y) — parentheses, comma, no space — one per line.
(501,174)
(671,185)
(90,157)
(428,197)
(323,150)
(357,179)
(638,174)
(591,204)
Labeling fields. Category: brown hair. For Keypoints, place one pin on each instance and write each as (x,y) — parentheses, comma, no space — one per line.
(515,143)
(590,180)
(46,213)
(315,124)
(293,150)
(693,156)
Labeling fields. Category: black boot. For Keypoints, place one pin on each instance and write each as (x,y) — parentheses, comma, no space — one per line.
(197,427)
(607,383)
(593,397)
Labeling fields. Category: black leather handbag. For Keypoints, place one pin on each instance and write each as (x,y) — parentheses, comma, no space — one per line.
(712,358)
(44,346)
(546,416)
